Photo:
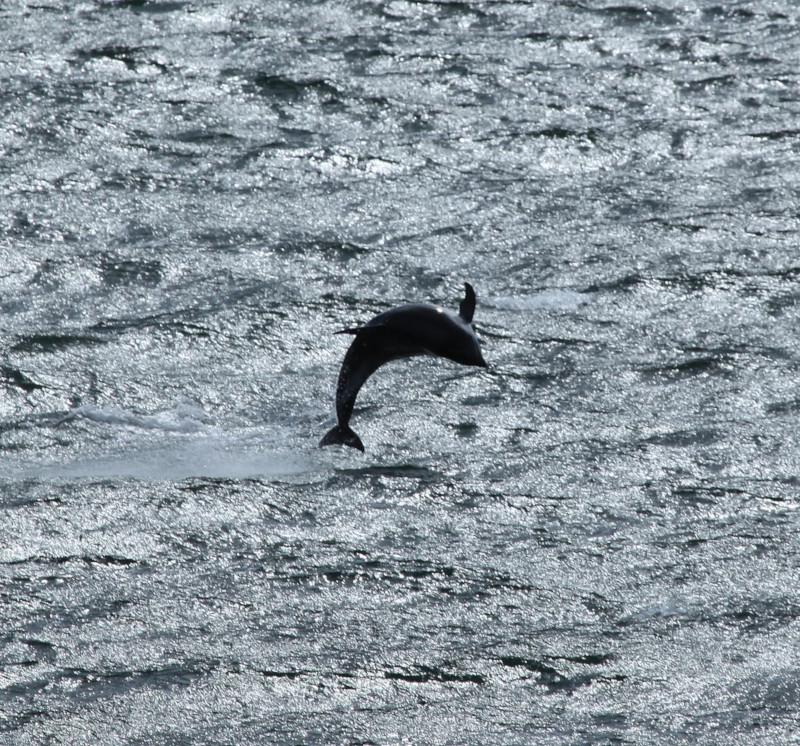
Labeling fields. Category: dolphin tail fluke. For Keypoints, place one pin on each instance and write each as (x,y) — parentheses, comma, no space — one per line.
(342,436)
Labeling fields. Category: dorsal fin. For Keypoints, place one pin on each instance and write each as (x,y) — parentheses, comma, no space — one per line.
(467,308)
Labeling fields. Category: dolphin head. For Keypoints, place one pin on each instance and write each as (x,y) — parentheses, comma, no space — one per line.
(461,344)
(466,343)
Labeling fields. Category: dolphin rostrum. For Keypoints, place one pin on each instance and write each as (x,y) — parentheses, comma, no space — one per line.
(406,331)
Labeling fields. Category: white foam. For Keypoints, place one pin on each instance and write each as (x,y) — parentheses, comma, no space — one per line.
(182,418)
(563,300)
(172,461)
(172,444)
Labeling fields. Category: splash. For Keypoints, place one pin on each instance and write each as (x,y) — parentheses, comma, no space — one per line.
(219,457)
(179,443)
(183,418)
(559,300)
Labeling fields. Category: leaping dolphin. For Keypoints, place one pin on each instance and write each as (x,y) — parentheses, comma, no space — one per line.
(406,331)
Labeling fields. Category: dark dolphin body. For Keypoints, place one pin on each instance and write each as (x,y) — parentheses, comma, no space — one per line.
(406,331)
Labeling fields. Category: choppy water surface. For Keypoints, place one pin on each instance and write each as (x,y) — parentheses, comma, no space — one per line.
(595,541)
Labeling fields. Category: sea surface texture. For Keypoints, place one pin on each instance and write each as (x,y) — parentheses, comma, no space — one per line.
(596,540)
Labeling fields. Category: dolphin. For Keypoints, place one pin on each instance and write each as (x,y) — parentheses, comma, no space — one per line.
(405,331)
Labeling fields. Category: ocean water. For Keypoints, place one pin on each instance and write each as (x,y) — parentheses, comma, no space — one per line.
(594,541)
